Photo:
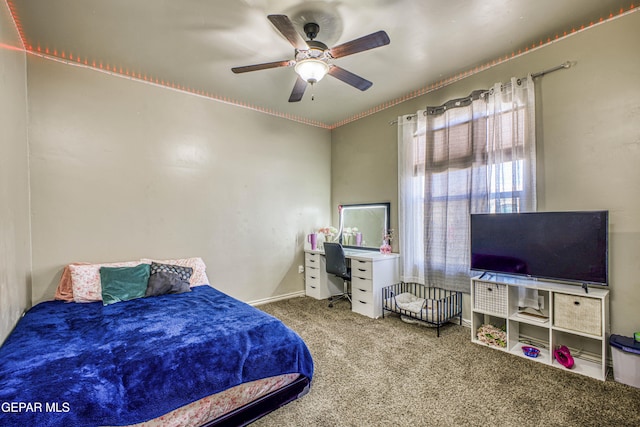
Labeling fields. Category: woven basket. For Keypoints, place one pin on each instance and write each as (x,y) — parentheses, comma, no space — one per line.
(576,313)
(490,298)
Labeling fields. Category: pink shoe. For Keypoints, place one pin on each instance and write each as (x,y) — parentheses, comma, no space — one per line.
(563,356)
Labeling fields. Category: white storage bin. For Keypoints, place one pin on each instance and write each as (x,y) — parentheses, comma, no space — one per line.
(490,297)
(576,313)
(626,360)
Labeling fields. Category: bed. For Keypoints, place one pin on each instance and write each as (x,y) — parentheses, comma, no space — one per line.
(173,359)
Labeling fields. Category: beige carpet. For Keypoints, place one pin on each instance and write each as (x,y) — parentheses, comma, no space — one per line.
(386,372)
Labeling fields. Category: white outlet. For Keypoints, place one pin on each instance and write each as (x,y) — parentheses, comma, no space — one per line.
(301,269)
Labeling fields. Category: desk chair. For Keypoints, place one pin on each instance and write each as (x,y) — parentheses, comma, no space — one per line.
(337,265)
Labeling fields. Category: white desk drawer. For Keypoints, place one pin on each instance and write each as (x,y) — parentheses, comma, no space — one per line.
(312,284)
(313,291)
(362,269)
(362,303)
(360,296)
(361,284)
(312,275)
(312,259)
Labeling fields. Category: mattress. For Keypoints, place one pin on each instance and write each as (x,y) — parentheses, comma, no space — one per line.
(212,407)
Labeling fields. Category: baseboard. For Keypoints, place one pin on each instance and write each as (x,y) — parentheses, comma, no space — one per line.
(277,298)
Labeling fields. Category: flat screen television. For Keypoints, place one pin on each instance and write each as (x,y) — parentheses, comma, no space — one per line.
(559,246)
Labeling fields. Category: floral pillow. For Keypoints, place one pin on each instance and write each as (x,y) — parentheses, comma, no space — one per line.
(199,276)
(85,280)
(64,291)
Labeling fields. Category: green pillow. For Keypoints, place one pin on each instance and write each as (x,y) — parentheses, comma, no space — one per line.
(123,283)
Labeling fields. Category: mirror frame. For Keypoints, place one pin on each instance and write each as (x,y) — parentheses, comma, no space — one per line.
(387,225)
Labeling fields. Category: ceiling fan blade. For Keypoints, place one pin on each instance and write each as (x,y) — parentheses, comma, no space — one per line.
(349,78)
(298,90)
(285,26)
(264,66)
(371,41)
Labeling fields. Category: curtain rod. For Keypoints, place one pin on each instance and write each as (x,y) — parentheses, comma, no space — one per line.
(564,65)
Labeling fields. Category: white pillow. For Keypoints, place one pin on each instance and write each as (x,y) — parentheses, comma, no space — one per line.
(85,280)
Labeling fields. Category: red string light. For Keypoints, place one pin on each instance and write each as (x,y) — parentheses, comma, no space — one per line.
(27,47)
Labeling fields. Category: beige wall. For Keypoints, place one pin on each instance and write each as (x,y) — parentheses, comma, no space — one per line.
(122,170)
(15,245)
(588,144)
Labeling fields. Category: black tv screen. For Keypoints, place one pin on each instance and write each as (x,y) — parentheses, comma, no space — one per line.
(563,246)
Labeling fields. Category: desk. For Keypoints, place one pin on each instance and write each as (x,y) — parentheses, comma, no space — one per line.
(370,272)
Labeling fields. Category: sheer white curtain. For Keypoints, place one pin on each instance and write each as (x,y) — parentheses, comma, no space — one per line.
(474,155)
(411,144)
(455,186)
(511,145)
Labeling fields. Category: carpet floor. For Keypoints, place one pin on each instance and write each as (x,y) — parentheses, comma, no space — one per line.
(377,372)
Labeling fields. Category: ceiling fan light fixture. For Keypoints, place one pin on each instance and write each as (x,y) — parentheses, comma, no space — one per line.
(314,60)
(311,70)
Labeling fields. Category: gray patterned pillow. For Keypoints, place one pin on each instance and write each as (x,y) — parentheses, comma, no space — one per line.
(183,272)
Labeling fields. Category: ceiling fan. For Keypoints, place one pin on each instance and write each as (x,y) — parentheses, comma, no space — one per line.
(313,58)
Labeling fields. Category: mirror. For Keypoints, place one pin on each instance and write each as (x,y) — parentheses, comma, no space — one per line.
(362,226)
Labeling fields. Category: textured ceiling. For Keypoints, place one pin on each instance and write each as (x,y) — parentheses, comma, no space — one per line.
(193,44)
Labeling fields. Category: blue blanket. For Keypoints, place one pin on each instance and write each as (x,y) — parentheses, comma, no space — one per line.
(69,364)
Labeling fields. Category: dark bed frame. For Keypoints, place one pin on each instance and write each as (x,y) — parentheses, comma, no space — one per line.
(260,407)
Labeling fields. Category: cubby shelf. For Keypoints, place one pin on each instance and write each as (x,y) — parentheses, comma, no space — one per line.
(574,318)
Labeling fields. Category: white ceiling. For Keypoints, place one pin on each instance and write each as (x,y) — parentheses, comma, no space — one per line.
(195,43)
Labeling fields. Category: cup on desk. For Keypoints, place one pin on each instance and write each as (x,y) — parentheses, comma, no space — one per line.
(358,239)
(313,240)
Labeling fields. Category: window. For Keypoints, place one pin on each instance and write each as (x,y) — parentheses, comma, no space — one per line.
(474,156)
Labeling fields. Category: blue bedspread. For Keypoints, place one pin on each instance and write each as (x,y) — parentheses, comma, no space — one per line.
(68,364)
